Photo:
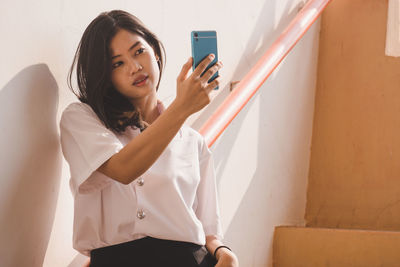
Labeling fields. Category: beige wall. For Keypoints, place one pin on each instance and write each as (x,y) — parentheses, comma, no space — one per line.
(355,157)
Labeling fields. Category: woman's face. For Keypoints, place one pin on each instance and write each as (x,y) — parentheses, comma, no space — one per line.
(134,69)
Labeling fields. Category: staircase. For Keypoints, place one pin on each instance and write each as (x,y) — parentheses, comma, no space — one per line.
(317,247)
(353,208)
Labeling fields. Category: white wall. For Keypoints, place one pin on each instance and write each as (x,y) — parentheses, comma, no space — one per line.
(262,159)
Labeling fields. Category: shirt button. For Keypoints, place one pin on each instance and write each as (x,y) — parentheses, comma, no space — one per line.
(140,214)
(140,181)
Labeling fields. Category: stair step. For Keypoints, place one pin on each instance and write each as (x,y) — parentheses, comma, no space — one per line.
(320,247)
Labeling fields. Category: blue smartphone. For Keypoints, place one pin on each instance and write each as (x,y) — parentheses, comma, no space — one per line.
(203,44)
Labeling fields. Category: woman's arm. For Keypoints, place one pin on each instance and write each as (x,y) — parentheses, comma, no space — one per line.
(140,153)
(224,256)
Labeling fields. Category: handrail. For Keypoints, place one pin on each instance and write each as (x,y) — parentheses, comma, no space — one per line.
(249,85)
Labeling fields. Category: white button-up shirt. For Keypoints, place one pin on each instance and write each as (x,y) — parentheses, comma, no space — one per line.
(175,199)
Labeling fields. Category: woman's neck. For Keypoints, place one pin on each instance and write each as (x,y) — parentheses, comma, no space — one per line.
(148,109)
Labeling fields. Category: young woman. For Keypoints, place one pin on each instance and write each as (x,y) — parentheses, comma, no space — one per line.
(143,182)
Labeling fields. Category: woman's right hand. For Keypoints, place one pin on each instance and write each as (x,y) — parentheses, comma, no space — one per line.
(192,90)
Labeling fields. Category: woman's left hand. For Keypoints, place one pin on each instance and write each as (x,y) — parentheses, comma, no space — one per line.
(227,259)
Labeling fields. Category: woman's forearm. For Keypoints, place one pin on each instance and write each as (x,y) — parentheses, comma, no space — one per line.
(142,151)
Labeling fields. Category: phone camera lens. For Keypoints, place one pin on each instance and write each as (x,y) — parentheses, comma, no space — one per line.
(196,34)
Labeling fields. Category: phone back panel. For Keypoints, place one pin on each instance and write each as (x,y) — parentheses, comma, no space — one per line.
(203,44)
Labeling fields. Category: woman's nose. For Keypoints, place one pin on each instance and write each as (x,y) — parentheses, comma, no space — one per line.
(134,66)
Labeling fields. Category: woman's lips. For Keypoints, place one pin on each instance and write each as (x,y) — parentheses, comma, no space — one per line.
(141,80)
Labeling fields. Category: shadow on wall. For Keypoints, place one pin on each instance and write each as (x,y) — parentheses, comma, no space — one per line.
(30,170)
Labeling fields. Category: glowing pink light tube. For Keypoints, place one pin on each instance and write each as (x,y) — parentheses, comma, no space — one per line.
(249,85)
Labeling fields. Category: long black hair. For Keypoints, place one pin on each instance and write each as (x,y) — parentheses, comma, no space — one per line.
(93,69)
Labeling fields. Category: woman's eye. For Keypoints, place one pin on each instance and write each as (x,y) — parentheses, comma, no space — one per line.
(140,50)
(116,64)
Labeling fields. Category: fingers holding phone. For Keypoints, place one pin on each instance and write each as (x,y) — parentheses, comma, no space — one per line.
(206,72)
(193,90)
(210,78)
(201,67)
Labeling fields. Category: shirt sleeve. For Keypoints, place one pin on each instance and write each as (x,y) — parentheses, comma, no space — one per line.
(86,144)
(207,196)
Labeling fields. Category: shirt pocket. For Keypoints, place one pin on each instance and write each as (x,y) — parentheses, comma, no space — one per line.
(183,152)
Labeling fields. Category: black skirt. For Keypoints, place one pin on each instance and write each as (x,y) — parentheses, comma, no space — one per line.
(152,252)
